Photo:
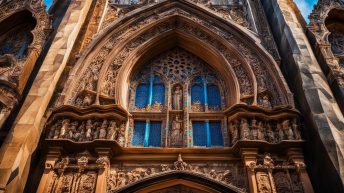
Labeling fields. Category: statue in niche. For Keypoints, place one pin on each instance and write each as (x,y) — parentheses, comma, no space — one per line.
(266,102)
(233,128)
(121,135)
(112,131)
(270,134)
(89,127)
(261,130)
(254,129)
(279,132)
(263,183)
(244,129)
(287,130)
(178,98)
(296,130)
(177,132)
(102,131)
(64,128)
(72,129)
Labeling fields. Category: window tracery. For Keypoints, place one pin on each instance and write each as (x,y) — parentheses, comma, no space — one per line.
(171,86)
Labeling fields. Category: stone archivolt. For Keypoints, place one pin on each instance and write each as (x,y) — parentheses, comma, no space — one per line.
(94,71)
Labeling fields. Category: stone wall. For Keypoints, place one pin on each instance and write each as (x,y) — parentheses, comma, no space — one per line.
(324,149)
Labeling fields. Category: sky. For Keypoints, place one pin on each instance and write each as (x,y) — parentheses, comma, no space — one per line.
(48,3)
(306,7)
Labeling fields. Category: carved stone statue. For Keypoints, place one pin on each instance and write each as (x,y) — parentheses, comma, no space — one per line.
(89,127)
(233,128)
(270,134)
(72,130)
(244,130)
(261,131)
(112,131)
(287,130)
(296,130)
(102,131)
(178,98)
(64,128)
(180,164)
(121,180)
(279,132)
(266,102)
(254,129)
(121,135)
(177,132)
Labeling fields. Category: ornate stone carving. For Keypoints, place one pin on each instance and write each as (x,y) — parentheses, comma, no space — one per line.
(263,182)
(86,130)
(177,98)
(176,139)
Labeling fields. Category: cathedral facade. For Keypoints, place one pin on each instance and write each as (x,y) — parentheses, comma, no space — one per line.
(101,96)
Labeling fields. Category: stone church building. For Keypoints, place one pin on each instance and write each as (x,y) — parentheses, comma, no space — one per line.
(162,96)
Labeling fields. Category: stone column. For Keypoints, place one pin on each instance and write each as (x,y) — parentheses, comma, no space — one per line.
(296,156)
(23,138)
(249,156)
(48,174)
(103,163)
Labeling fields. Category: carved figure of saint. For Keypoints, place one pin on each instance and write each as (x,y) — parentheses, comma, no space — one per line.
(89,127)
(64,128)
(112,131)
(270,134)
(102,131)
(121,135)
(233,128)
(287,130)
(244,129)
(261,131)
(87,100)
(279,132)
(121,180)
(254,129)
(178,98)
(177,132)
(72,129)
(266,102)
(296,130)
(52,131)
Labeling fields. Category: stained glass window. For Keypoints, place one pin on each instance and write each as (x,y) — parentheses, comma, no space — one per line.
(139,133)
(214,97)
(142,93)
(197,94)
(154,134)
(199,133)
(158,94)
(216,138)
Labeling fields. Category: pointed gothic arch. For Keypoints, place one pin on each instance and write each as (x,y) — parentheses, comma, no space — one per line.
(225,45)
(173,178)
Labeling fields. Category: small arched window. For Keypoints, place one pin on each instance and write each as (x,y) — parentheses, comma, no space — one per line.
(204,94)
(150,92)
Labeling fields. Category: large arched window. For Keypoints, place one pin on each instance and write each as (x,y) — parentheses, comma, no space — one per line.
(205,95)
(166,97)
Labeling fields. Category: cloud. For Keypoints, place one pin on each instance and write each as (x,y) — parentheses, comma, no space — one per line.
(305,6)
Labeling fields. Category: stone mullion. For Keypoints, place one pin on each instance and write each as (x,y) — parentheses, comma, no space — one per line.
(169,106)
(103,163)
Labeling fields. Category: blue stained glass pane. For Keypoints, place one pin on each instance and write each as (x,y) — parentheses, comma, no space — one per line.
(198,79)
(158,93)
(199,133)
(216,133)
(214,97)
(142,93)
(139,133)
(48,3)
(154,134)
(197,94)
(23,47)
(157,79)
